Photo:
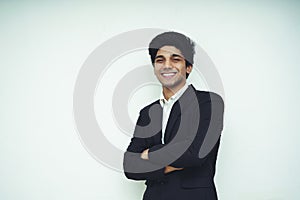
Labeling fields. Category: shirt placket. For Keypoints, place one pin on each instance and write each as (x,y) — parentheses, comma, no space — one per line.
(164,124)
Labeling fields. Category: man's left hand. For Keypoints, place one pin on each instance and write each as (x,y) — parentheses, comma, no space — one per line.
(144,154)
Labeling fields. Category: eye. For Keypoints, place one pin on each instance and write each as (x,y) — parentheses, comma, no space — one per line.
(176,59)
(159,60)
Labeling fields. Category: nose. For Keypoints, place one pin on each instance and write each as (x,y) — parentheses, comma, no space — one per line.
(167,64)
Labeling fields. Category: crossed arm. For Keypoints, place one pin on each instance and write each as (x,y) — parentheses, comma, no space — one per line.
(190,158)
(168,168)
(136,163)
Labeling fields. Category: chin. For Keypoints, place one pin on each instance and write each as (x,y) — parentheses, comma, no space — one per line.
(169,85)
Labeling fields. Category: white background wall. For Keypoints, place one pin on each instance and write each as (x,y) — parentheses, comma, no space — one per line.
(254,45)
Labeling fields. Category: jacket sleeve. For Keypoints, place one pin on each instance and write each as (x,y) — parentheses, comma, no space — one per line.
(135,167)
(204,143)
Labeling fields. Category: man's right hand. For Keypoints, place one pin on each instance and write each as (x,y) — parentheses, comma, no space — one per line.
(169,169)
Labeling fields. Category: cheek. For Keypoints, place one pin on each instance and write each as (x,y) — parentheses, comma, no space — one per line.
(156,71)
(182,69)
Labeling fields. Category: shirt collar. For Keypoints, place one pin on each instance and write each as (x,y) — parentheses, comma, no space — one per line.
(173,98)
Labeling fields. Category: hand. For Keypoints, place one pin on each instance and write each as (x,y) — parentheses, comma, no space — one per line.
(144,154)
(169,169)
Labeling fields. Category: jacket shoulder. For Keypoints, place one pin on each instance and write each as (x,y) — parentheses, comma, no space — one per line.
(146,108)
(204,96)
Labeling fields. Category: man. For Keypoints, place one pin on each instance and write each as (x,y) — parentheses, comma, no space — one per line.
(177,155)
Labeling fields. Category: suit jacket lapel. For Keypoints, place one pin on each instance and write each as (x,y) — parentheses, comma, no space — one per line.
(176,114)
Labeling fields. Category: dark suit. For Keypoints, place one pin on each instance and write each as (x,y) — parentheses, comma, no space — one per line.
(196,180)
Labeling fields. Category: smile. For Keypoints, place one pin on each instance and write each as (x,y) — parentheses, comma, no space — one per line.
(169,74)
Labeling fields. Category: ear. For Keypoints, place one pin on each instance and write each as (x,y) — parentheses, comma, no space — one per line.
(189,69)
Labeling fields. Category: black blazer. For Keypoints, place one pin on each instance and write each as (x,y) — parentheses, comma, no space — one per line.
(196,179)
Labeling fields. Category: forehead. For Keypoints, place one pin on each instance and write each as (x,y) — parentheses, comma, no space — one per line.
(169,50)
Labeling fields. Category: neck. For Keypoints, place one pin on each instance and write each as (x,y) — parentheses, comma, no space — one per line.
(170,91)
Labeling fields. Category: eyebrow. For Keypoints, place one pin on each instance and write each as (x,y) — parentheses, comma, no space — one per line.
(173,55)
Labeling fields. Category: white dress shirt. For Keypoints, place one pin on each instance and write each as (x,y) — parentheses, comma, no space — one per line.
(167,107)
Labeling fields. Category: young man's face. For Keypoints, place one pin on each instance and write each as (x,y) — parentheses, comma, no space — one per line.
(170,68)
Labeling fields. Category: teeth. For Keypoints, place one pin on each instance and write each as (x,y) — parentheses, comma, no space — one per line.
(169,74)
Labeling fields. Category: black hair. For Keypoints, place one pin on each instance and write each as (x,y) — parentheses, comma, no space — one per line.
(178,40)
